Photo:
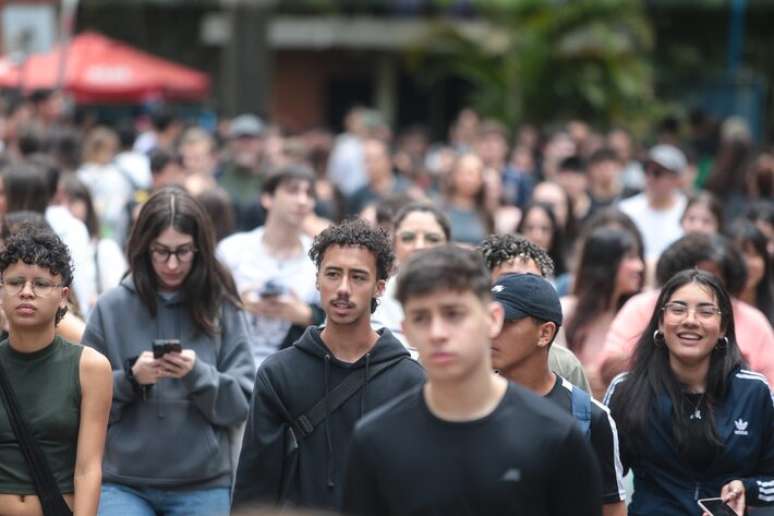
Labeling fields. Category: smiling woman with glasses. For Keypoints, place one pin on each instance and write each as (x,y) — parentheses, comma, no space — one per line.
(177,339)
(693,423)
(62,390)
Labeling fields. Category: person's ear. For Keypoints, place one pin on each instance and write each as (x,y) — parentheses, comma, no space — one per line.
(65,297)
(546,333)
(497,318)
(266,200)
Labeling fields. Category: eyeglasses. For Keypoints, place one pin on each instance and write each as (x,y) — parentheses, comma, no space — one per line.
(184,254)
(40,287)
(679,311)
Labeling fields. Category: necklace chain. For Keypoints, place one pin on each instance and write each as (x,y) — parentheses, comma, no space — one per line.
(696,413)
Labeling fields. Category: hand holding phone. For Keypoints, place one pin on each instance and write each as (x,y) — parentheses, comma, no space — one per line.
(716,507)
(177,365)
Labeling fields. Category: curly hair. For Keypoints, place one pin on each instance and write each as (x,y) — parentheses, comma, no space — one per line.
(35,246)
(356,233)
(499,249)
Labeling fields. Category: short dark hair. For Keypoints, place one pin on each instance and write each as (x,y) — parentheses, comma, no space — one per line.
(446,267)
(356,233)
(572,164)
(26,187)
(159,159)
(41,247)
(602,155)
(288,173)
(498,249)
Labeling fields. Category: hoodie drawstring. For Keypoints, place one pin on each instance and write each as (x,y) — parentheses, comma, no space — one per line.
(365,384)
(329,458)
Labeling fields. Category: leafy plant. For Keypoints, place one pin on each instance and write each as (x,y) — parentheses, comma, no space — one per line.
(542,60)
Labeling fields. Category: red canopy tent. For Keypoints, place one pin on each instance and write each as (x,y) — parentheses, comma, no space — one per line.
(102,70)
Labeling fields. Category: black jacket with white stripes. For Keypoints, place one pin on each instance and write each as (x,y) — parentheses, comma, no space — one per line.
(665,485)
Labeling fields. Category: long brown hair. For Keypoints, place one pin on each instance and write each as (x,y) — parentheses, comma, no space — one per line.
(208,284)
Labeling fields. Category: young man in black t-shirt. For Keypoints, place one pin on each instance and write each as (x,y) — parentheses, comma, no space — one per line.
(467,442)
(533,315)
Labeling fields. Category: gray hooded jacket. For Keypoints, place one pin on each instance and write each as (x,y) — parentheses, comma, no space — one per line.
(178,437)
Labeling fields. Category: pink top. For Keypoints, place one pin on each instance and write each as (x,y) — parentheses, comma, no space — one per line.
(754,334)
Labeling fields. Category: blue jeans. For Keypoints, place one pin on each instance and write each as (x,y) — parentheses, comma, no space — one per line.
(120,500)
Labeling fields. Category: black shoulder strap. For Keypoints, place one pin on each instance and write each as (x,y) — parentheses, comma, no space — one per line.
(45,484)
(305,424)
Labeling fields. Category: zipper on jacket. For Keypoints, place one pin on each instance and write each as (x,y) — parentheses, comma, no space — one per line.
(696,491)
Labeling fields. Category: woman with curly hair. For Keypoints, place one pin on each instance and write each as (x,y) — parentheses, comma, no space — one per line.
(63,390)
(178,343)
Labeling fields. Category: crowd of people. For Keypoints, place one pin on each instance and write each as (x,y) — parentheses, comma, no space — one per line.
(534,320)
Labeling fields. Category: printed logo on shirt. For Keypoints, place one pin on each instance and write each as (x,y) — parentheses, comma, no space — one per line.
(498,288)
(511,475)
(741,427)
(766,491)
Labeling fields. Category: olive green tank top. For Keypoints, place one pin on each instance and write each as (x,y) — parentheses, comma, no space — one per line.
(48,389)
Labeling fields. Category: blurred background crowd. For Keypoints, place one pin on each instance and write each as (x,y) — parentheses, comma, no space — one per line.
(544,119)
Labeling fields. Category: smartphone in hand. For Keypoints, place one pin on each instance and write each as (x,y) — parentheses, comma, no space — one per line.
(716,507)
(163,346)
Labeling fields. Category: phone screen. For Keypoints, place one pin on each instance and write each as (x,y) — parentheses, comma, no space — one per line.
(716,507)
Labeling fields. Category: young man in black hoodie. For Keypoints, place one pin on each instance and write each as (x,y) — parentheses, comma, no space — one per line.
(467,442)
(292,453)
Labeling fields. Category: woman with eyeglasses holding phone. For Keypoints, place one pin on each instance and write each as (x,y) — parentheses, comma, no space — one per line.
(693,422)
(182,368)
(55,394)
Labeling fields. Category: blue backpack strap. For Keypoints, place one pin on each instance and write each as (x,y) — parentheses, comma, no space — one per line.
(581,410)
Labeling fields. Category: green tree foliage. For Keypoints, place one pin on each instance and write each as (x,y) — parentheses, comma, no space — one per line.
(543,60)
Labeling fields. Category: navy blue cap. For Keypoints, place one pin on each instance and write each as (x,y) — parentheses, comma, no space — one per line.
(525,295)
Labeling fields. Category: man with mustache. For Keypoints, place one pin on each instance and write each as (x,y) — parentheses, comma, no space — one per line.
(303,414)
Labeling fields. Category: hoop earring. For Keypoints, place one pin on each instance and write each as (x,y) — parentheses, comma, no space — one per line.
(724,346)
(658,338)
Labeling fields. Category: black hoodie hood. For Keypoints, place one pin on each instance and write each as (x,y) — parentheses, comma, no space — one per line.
(387,348)
(291,382)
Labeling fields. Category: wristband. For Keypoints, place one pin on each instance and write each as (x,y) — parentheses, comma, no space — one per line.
(140,390)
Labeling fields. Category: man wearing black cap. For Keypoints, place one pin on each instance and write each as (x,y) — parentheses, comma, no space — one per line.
(533,315)
(467,441)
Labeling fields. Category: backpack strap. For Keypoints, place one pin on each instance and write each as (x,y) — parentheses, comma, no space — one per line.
(581,410)
(305,424)
(51,498)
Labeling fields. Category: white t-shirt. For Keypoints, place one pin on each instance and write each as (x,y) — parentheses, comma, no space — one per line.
(110,263)
(659,228)
(111,191)
(389,314)
(251,264)
(74,234)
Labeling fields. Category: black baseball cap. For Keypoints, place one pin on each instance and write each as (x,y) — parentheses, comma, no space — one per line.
(525,295)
